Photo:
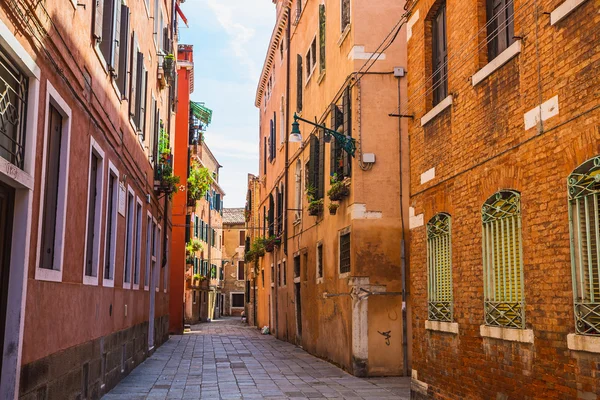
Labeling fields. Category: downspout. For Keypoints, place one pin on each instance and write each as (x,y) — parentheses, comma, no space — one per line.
(287,125)
(402,246)
(209,237)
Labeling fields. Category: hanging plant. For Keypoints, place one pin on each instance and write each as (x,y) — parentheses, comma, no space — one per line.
(315,207)
(193,246)
(199,181)
(338,190)
(333,208)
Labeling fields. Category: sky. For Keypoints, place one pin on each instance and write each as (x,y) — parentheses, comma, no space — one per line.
(230,39)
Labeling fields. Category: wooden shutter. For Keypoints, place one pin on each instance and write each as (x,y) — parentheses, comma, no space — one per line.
(271,216)
(138,89)
(133,76)
(89,270)
(321,38)
(269,145)
(98,16)
(439,57)
(265,156)
(123,52)
(299,83)
(347,109)
(313,162)
(116,47)
(337,120)
(218,201)
(321,168)
(143,102)
(275,134)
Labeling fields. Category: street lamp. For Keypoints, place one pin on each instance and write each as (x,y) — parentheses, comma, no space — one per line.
(347,143)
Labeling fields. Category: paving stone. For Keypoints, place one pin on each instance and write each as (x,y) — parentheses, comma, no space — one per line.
(227,360)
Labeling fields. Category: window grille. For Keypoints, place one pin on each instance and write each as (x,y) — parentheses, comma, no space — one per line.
(345,253)
(439,264)
(13,107)
(584,217)
(502,260)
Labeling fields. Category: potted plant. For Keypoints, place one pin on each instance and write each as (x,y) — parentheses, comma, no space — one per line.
(198,182)
(169,67)
(270,243)
(338,190)
(196,279)
(315,207)
(257,250)
(333,208)
(193,246)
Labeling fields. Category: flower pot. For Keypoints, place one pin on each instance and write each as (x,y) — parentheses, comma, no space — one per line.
(333,211)
(269,247)
(315,209)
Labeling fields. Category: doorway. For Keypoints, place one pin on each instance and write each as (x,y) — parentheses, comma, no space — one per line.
(7,196)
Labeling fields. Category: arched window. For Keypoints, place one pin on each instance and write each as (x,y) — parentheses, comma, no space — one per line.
(584,214)
(439,266)
(502,260)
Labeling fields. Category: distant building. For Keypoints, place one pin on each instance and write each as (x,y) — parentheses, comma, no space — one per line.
(505,165)
(234,240)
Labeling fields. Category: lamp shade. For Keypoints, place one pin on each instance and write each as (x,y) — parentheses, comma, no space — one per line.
(295,135)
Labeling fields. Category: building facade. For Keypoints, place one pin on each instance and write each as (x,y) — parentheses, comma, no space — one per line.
(204,274)
(504,160)
(253,231)
(86,127)
(235,286)
(333,219)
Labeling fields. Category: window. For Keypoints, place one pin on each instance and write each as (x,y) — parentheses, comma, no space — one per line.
(128,241)
(344,252)
(298,192)
(316,167)
(149,251)
(500,26)
(296,266)
(319,260)
(240,271)
(53,196)
(272,139)
(321,38)
(502,260)
(237,300)
(439,266)
(138,244)
(123,51)
(262,277)
(299,83)
(279,277)
(194,296)
(138,88)
(584,214)
(284,266)
(311,59)
(265,145)
(107,27)
(439,56)
(242,238)
(94,214)
(14,87)
(345,14)
(157,12)
(272,274)
(298,10)
(280,206)
(271,216)
(341,121)
(281,121)
(112,203)
(247,291)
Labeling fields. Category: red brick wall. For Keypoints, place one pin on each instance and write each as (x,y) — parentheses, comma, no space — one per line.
(480,146)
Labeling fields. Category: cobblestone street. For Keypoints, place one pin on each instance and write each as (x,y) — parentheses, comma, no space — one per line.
(228,360)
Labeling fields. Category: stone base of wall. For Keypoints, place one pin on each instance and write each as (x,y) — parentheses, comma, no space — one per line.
(89,370)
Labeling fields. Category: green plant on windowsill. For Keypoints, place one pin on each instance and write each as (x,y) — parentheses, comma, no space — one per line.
(193,246)
(333,208)
(339,189)
(257,250)
(315,206)
(168,181)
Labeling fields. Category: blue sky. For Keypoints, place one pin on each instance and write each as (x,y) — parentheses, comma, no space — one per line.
(230,39)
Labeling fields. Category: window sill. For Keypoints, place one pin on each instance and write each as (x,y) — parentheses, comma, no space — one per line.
(50,275)
(508,334)
(589,344)
(344,275)
(126,285)
(108,283)
(447,327)
(90,280)
(312,71)
(496,63)
(321,77)
(564,10)
(435,111)
(319,281)
(297,279)
(344,35)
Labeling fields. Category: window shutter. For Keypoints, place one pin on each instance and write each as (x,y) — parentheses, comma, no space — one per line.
(123,52)
(336,122)
(138,89)
(321,38)
(98,15)
(265,156)
(269,146)
(143,102)
(166,48)
(299,83)
(116,47)
(218,202)
(133,76)
(347,109)
(313,161)
(321,172)
(275,134)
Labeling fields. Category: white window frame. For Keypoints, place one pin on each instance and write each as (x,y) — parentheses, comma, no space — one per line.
(43,274)
(137,251)
(149,255)
(128,220)
(158,257)
(231,307)
(309,56)
(110,282)
(342,232)
(99,153)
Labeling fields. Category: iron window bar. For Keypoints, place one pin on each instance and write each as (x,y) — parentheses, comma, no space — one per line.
(439,264)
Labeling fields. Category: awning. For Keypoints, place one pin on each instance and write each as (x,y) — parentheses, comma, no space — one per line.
(202,113)
(183,18)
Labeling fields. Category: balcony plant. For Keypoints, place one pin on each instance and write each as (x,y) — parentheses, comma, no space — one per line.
(271,242)
(257,250)
(164,168)
(193,246)
(315,206)
(169,67)
(339,189)
(333,208)
(198,182)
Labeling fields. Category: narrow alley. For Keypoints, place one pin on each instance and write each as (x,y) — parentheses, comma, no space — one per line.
(226,359)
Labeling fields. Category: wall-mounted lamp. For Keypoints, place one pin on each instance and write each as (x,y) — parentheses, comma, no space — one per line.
(345,142)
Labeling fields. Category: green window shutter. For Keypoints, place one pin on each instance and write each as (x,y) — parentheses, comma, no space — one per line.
(321,167)
(347,110)
(321,38)
(299,83)
(313,164)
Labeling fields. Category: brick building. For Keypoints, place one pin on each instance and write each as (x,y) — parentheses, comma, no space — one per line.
(332,220)
(86,126)
(235,289)
(504,159)
(253,231)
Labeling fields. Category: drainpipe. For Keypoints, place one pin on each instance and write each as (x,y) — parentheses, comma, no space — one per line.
(287,125)
(209,260)
(402,246)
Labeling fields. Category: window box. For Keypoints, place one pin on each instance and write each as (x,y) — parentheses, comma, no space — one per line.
(315,208)
(339,190)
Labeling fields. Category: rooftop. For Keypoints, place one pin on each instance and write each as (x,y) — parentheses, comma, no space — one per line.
(233,216)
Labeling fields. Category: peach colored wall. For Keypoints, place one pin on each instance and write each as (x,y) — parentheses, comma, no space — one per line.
(65,314)
(376,242)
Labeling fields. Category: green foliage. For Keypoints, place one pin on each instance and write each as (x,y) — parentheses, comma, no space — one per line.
(199,181)
(193,246)
(257,250)
(315,207)
(338,190)
(196,277)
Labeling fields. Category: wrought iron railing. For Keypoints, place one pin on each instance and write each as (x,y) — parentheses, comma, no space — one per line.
(13,109)
(439,276)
